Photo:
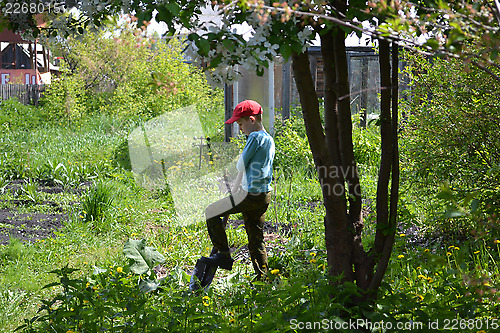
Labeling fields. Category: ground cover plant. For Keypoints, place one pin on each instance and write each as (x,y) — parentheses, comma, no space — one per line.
(92,283)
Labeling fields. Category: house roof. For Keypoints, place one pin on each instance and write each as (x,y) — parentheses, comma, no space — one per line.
(9,36)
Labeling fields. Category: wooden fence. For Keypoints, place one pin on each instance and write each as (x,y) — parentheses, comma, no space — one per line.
(25,93)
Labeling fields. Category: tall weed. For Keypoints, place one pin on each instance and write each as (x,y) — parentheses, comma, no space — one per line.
(96,205)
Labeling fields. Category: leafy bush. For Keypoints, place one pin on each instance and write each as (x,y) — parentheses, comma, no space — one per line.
(115,72)
(15,115)
(366,141)
(451,135)
(292,147)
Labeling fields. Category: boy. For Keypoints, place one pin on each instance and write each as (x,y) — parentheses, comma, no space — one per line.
(255,170)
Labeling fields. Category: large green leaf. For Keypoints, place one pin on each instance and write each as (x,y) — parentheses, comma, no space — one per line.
(142,257)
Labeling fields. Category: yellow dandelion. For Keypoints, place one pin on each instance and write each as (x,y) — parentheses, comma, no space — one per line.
(402,235)
(275,271)
(312,254)
(401,256)
(119,269)
(496,241)
(205,300)
(312,261)
(419,268)
(457,248)
(427,250)
(448,253)
(420,276)
(476,252)
(420,298)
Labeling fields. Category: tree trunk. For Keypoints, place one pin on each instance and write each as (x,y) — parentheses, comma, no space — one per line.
(337,235)
(389,164)
(332,149)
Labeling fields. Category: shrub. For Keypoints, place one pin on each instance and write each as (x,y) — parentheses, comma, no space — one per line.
(116,72)
(15,115)
(292,147)
(451,135)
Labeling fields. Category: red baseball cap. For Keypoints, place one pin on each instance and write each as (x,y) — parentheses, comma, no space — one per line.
(245,108)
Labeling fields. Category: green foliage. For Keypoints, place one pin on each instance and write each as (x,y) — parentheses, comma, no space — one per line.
(292,147)
(96,204)
(65,98)
(15,115)
(14,251)
(115,72)
(423,286)
(451,134)
(143,258)
(30,190)
(366,141)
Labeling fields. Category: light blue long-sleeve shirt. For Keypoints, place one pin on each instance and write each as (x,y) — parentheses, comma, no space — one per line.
(256,162)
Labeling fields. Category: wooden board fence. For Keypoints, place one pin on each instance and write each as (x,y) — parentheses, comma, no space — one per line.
(25,93)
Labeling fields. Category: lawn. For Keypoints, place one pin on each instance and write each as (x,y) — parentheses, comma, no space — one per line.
(71,204)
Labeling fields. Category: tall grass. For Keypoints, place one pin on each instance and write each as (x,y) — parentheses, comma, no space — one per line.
(444,281)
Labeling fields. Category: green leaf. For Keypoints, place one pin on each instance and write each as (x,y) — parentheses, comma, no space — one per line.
(453,213)
(474,205)
(173,7)
(163,15)
(203,45)
(286,51)
(445,193)
(228,44)
(432,43)
(216,61)
(148,285)
(143,257)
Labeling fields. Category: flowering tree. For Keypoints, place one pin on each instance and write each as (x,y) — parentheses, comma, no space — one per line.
(286,29)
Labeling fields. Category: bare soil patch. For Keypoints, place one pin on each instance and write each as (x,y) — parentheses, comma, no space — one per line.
(30,221)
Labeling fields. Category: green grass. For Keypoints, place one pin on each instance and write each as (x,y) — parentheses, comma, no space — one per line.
(449,280)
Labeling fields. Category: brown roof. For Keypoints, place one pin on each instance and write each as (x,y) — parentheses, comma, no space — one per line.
(9,36)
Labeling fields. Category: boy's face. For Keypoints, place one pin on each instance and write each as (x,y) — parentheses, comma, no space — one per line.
(246,124)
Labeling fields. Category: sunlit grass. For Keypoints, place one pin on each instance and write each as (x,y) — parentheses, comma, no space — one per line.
(446,280)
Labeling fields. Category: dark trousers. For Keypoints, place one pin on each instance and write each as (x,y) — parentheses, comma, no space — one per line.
(253,207)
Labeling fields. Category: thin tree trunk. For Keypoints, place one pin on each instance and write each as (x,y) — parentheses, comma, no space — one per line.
(386,147)
(363,267)
(389,165)
(337,236)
